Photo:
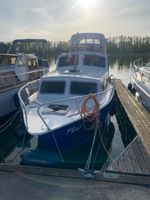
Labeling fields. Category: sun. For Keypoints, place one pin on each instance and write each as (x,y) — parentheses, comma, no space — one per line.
(86,3)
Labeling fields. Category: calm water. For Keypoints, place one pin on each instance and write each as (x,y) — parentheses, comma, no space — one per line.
(116,136)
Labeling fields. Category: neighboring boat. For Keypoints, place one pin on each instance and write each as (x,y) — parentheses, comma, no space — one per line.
(140,82)
(16,69)
(72,104)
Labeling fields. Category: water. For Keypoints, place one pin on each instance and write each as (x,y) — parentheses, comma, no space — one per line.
(116,135)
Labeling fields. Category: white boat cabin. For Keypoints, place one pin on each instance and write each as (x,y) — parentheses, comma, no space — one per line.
(63,87)
(16,67)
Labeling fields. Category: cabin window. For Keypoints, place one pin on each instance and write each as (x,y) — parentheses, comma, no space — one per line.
(7,60)
(21,63)
(52,87)
(93,60)
(68,60)
(32,63)
(83,88)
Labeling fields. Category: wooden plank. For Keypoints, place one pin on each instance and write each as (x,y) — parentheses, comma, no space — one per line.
(108,177)
(128,163)
(130,100)
(136,113)
(122,165)
(139,108)
(119,166)
(131,160)
(123,91)
(137,168)
(140,159)
(145,155)
(119,162)
(134,116)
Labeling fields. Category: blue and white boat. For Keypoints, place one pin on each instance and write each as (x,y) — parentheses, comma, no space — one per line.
(140,82)
(66,107)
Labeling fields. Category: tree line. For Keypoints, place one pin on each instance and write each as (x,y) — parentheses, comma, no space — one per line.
(128,45)
(115,45)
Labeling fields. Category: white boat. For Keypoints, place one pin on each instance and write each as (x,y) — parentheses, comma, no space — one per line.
(15,70)
(140,82)
(74,102)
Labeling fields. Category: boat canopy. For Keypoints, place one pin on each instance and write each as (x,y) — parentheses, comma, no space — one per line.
(78,37)
(15,42)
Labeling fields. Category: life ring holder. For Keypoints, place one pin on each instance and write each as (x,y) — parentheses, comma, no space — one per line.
(94,110)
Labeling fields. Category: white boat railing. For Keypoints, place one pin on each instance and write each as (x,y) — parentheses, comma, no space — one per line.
(12,80)
(31,88)
(139,63)
(24,93)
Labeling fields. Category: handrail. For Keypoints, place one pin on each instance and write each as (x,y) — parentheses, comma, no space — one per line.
(139,63)
(13,81)
(23,104)
(23,73)
(73,98)
(24,87)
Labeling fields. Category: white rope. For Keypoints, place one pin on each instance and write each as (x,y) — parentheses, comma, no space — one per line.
(7,124)
(87,166)
(57,146)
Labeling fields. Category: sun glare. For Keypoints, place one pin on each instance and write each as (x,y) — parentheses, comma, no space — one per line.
(86,3)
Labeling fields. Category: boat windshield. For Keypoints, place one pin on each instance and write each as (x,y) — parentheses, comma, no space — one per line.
(94,60)
(83,88)
(52,87)
(68,60)
(7,60)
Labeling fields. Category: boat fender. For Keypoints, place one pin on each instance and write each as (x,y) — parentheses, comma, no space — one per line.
(113,107)
(130,87)
(84,108)
(20,131)
(16,100)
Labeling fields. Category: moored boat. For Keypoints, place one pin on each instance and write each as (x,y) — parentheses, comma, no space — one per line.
(71,105)
(16,69)
(140,81)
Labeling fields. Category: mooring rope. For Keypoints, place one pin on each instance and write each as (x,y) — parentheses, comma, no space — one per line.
(87,166)
(8,123)
(19,152)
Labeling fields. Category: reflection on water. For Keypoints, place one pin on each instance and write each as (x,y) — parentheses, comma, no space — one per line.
(118,135)
(121,67)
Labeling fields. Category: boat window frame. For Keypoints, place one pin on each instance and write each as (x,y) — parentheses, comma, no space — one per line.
(53,93)
(82,82)
(72,63)
(92,62)
(8,58)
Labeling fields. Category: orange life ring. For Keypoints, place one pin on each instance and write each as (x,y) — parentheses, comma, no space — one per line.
(95,108)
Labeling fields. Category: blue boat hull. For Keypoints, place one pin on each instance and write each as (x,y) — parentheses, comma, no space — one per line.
(71,136)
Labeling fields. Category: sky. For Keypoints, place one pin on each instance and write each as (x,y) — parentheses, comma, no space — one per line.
(57,20)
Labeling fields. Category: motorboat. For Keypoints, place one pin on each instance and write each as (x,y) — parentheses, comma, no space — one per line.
(67,108)
(16,69)
(140,82)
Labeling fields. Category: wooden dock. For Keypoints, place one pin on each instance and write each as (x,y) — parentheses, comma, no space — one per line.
(138,116)
(133,160)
